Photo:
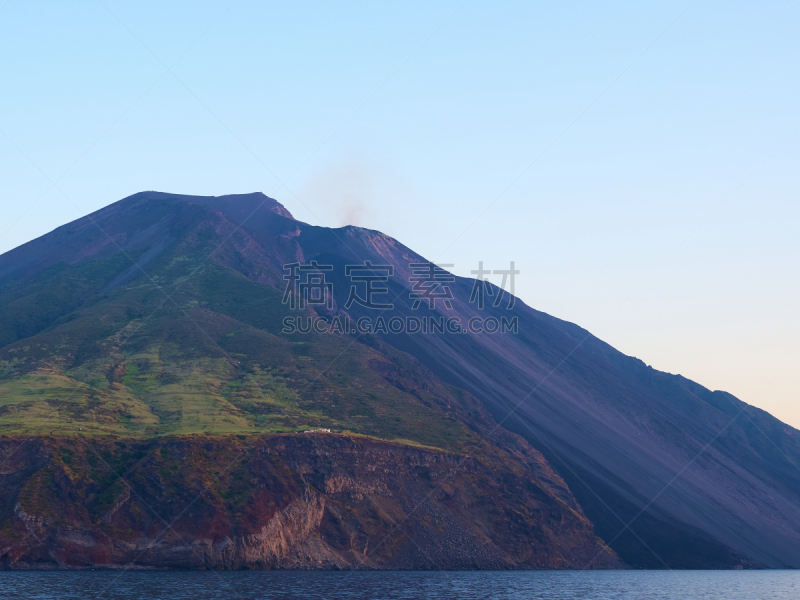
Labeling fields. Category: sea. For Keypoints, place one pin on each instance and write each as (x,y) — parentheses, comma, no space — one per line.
(363,585)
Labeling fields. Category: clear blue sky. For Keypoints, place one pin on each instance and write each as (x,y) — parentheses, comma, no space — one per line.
(639,161)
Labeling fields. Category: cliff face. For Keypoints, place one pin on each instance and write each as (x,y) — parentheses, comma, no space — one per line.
(285,501)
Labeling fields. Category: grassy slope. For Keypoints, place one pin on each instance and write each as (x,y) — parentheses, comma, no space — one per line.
(210,358)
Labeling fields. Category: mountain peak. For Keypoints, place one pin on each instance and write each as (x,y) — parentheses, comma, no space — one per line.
(239,206)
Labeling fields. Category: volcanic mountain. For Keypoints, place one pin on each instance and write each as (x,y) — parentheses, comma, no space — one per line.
(153,404)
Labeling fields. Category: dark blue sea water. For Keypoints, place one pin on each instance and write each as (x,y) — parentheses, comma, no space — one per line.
(585,585)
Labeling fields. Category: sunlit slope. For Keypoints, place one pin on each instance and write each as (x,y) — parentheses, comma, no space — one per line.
(191,345)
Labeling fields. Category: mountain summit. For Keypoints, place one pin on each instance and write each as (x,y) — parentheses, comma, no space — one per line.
(148,343)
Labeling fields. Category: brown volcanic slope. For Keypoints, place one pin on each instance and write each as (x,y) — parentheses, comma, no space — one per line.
(148,400)
(704,480)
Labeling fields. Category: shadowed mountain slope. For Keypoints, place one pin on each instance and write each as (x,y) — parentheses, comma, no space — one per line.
(702,478)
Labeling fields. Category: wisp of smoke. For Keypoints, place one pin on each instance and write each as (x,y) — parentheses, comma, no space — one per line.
(346,191)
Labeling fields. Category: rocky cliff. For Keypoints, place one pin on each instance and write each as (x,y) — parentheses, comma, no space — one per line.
(281,501)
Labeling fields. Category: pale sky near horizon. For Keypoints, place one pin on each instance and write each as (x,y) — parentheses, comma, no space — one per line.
(638,161)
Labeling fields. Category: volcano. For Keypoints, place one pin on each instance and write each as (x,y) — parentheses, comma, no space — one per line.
(159,406)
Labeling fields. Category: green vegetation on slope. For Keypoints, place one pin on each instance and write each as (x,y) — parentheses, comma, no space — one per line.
(178,354)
